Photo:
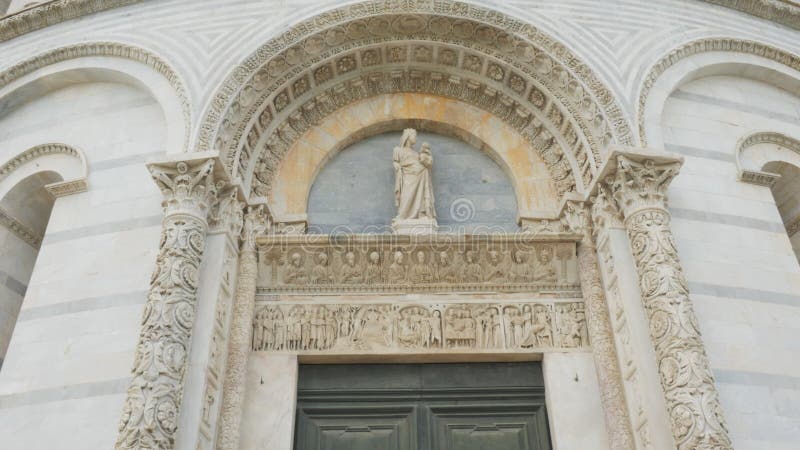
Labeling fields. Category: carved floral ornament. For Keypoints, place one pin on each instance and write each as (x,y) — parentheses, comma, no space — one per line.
(443,48)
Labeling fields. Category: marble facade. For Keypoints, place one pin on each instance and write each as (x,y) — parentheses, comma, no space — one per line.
(163,277)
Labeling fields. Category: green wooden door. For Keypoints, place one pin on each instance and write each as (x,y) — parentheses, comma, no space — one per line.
(421,407)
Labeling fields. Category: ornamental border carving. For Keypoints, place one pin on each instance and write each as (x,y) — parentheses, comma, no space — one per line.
(784,12)
(549,130)
(390,327)
(756,176)
(225,100)
(50,13)
(716,44)
(19,229)
(109,49)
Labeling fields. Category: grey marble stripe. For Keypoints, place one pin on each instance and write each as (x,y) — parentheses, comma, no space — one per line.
(757,378)
(12,283)
(124,161)
(757,295)
(749,109)
(61,393)
(84,304)
(727,219)
(108,227)
(700,153)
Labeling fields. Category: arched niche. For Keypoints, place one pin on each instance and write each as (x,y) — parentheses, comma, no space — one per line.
(446,49)
(535,191)
(103,62)
(707,58)
(29,185)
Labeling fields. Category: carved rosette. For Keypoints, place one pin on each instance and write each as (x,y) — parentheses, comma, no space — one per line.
(618,421)
(639,188)
(255,222)
(150,413)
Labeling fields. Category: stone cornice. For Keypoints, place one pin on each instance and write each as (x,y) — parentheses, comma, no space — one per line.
(784,12)
(50,13)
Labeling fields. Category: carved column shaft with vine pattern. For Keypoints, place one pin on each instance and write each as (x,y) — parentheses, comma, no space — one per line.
(639,188)
(617,417)
(150,412)
(241,333)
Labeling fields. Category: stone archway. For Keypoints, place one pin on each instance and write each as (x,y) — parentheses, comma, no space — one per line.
(448,49)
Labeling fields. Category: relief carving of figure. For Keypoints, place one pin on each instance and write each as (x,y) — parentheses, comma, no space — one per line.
(397,270)
(351,274)
(296,271)
(540,334)
(572,325)
(521,271)
(545,270)
(472,272)
(459,328)
(372,274)
(496,270)
(322,273)
(436,329)
(421,272)
(445,270)
(413,190)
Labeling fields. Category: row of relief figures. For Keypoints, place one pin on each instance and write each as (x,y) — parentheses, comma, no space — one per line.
(418,328)
(528,268)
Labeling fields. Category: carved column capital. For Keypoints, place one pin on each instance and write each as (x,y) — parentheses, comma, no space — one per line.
(640,181)
(256,221)
(637,182)
(190,186)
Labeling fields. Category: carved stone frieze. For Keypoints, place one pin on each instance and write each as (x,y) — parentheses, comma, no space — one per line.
(639,188)
(318,328)
(151,409)
(701,46)
(438,263)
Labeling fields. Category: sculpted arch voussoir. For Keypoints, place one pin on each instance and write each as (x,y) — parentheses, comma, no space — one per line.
(511,53)
(707,45)
(112,50)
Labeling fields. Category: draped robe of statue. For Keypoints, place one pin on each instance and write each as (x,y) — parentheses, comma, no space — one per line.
(413,189)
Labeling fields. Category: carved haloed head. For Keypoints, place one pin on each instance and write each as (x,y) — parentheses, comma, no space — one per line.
(296,259)
(374,257)
(421,256)
(322,258)
(351,258)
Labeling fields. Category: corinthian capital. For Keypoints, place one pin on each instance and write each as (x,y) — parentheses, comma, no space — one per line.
(639,181)
(190,185)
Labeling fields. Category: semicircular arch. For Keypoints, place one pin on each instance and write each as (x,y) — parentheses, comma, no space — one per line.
(447,49)
(67,162)
(710,57)
(103,61)
(534,188)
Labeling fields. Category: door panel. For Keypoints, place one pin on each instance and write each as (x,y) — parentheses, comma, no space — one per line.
(421,407)
(356,428)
